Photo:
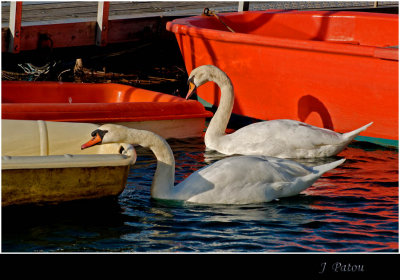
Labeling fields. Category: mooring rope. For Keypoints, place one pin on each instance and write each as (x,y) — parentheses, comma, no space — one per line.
(208,12)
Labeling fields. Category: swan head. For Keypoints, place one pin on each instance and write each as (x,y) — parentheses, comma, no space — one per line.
(200,76)
(105,134)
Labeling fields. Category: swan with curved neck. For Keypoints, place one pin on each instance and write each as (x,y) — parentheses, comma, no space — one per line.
(278,138)
(232,180)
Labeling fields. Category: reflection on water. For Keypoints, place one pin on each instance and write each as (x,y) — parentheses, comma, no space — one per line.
(353,208)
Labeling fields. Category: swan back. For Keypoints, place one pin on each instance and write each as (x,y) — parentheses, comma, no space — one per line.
(249,179)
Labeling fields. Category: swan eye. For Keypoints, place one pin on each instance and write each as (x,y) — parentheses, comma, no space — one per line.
(94,133)
(99,132)
(190,80)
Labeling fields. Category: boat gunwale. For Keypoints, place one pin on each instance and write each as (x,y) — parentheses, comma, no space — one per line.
(66,161)
(184,26)
(55,108)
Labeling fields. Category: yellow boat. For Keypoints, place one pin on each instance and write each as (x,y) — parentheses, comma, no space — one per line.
(42,163)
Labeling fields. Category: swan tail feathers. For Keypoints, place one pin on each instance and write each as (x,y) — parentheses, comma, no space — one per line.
(352,134)
(302,183)
(321,169)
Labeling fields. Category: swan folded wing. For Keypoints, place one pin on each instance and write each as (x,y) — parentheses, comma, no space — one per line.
(193,185)
(254,139)
(281,138)
(241,180)
(315,136)
(292,132)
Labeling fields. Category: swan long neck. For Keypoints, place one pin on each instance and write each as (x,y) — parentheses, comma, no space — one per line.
(164,176)
(219,122)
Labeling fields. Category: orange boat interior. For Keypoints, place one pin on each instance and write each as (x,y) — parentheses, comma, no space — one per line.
(96,103)
(50,92)
(328,26)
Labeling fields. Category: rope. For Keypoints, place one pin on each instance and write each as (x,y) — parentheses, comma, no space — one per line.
(208,12)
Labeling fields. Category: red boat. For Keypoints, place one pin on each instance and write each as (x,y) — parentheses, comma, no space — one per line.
(167,115)
(337,70)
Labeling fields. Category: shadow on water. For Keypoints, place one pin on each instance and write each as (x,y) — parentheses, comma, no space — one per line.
(368,146)
(92,211)
(60,227)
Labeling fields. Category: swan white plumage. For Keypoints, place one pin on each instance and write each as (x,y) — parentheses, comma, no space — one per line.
(232,180)
(278,138)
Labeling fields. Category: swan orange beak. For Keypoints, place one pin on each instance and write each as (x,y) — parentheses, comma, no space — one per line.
(94,141)
(192,89)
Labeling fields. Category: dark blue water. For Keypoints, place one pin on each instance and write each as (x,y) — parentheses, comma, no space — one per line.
(353,208)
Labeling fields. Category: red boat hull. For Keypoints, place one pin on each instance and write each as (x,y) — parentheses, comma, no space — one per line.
(103,103)
(330,69)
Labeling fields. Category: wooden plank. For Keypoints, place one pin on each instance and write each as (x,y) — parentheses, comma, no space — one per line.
(71,9)
(128,30)
(15,26)
(84,33)
(102,23)
(58,11)
(4,39)
(243,6)
(74,23)
(86,10)
(62,35)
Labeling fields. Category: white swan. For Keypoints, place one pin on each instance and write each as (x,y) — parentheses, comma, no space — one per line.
(233,180)
(278,138)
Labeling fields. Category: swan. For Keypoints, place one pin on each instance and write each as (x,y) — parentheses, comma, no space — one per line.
(278,138)
(232,180)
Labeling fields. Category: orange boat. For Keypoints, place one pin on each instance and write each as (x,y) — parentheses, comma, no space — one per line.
(337,70)
(167,115)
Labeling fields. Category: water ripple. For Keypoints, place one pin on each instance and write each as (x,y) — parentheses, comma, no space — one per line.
(353,208)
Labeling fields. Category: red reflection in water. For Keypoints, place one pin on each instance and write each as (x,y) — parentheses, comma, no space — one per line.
(371,175)
(189,168)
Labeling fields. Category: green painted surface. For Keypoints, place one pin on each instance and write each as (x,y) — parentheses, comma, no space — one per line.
(379,141)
